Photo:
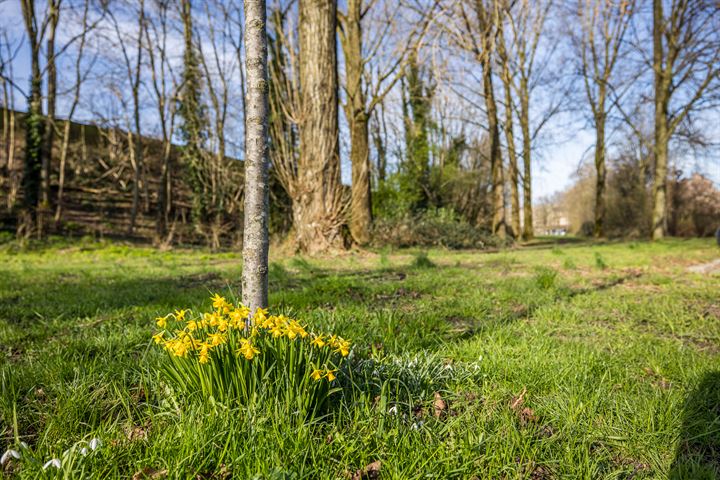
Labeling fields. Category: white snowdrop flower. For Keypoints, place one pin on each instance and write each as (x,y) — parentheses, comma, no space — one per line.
(95,443)
(24,445)
(8,455)
(393,410)
(54,462)
(84,451)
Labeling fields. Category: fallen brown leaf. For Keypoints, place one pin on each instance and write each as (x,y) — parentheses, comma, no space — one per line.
(137,432)
(370,472)
(517,401)
(440,405)
(527,416)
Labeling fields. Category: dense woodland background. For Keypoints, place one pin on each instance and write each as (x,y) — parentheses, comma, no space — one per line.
(412,122)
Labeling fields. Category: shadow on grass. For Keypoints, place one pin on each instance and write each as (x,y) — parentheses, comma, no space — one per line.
(698,452)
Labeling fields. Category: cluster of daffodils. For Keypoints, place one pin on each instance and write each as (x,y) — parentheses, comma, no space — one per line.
(231,329)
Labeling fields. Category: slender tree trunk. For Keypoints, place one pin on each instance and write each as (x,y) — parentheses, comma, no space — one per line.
(600,169)
(54,15)
(528,231)
(510,136)
(659,216)
(12,195)
(61,171)
(496,166)
(138,144)
(255,233)
(34,124)
(357,115)
(379,134)
(161,219)
(317,206)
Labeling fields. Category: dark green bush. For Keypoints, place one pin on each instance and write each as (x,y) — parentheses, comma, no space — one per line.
(432,228)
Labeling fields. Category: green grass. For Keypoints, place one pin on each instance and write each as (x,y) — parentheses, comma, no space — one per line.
(615,346)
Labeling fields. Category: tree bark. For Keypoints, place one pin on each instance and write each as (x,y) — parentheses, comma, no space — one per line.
(317,206)
(659,217)
(137,144)
(600,169)
(54,16)
(358,117)
(496,166)
(510,136)
(528,230)
(488,28)
(34,124)
(255,233)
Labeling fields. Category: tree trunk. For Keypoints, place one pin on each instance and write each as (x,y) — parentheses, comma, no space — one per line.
(528,231)
(659,218)
(161,219)
(61,171)
(34,124)
(318,200)
(496,166)
(357,115)
(137,145)
(54,16)
(600,169)
(255,233)
(510,136)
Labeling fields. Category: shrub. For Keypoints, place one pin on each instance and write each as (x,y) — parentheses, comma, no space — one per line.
(422,260)
(432,228)
(229,356)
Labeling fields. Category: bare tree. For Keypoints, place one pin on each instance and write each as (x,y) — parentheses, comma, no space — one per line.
(33,123)
(133,71)
(686,69)
(603,25)
(8,53)
(477,33)
(365,89)
(508,127)
(164,87)
(80,77)
(53,17)
(255,234)
(526,28)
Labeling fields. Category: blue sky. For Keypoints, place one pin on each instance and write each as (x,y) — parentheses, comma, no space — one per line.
(554,164)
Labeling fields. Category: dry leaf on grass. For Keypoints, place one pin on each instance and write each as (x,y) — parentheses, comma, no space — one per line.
(517,401)
(370,472)
(439,405)
(527,415)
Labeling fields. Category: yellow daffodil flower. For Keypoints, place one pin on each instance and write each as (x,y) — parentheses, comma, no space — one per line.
(330,375)
(216,339)
(161,321)
(158,337)
(236,319)
(316,374)
(180,315)
(318,341)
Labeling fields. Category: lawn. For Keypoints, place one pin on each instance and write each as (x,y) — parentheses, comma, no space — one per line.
(548,361)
